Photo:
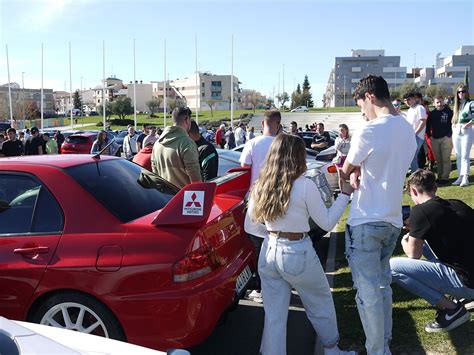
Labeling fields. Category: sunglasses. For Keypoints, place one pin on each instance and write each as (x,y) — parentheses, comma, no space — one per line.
(462,91)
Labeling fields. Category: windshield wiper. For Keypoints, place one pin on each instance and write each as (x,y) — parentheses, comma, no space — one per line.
(97,155)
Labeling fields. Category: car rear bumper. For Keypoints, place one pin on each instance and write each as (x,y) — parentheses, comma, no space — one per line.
(186,317)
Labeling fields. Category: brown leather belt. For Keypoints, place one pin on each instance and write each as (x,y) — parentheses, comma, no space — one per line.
(288,235)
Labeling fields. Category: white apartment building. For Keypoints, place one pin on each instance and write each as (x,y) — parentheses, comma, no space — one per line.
(112,86)
(211,88)
(449,71)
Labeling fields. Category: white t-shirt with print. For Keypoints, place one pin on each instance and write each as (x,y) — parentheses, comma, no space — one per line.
(254,153)
(414,116)
(383,148)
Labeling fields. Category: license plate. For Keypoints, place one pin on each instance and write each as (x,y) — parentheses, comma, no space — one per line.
(243,279)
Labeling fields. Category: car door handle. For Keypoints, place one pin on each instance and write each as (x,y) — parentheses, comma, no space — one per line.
(32,250)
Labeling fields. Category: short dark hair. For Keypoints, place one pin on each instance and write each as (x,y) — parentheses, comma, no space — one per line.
(320,124)
(409,95)
(180,113)
(372,84)
(423,181)
(34,130)
(294,122)
(46,134)
(11,129)
(418,95)
(194,127)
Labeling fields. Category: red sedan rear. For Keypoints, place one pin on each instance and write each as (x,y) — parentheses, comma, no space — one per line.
(104,247)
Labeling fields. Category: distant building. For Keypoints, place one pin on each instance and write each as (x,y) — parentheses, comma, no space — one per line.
(143,94)
(247,99)
(348,71)
(23,98)
(112,86)
(449,71)
(212,88)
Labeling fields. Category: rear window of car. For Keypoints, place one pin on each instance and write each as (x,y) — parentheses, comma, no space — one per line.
(123,187)
(78,139)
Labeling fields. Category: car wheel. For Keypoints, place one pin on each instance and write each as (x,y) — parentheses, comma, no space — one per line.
(78,312)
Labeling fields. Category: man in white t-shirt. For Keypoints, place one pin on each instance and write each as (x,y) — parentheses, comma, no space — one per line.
(376,165)
(253,157)
(240,135)
(416,116)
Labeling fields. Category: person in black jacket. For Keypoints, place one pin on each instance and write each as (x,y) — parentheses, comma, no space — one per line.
(208,157)
(439,129)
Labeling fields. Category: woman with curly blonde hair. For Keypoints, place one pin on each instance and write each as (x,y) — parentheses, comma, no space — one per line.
(281,203)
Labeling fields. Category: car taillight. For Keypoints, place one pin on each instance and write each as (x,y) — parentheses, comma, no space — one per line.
(332,169)
(199,262)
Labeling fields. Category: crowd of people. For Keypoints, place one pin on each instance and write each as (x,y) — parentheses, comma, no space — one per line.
(373,163)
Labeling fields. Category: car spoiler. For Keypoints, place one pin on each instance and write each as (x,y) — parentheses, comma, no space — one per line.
(192,205)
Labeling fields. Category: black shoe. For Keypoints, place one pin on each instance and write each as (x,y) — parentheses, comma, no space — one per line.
(448,319)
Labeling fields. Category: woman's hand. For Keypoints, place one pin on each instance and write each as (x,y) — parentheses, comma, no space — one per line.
(345,186)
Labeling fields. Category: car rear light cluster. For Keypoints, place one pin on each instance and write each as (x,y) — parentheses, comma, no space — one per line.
(202,260)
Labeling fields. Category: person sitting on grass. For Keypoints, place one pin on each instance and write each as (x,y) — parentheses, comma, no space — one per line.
(441,231)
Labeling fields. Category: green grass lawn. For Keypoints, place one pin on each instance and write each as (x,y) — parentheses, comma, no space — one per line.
(410,314)
(336,109)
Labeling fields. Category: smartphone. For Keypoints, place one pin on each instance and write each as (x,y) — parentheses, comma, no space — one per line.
(405,212)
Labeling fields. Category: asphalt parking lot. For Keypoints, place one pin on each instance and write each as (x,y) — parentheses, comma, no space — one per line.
(240,332)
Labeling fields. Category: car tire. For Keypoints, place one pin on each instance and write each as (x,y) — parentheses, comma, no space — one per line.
(85,314)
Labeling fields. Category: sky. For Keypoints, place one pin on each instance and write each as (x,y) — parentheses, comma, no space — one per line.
(301,36)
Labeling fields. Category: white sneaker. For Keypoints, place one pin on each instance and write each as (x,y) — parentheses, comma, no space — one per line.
(465,181)
(336,351)
(386,350)
(458,180)
(255,296)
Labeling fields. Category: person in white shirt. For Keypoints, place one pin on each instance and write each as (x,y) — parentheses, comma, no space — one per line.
(250,133)
(376,165)
(416,116)
(253,157)
(342,145)
(240,135)
(129,145)
(281,203)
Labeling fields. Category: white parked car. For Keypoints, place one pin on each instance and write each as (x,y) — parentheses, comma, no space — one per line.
(300,109)
(18,338)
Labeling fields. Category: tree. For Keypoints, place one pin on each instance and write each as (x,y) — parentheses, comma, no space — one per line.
(395,95)
(122,107)
(77,100)
(211,104)
(108,109)
(176,102)
(282,98)
(306,97)
(153,105)
(296,97)
(255,100)
(32,111)
(407,88)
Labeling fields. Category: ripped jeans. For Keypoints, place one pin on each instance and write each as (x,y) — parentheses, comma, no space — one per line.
(369,247)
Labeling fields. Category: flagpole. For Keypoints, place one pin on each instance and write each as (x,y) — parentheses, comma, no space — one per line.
(232,84)
(197,77)
(164,91)
(70,86)
(104,102)
(42,98)
(9,88)
(134,88)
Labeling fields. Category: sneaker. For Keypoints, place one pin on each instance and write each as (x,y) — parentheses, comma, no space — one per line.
(386,350)
(458,181)
(255,296)
(336,351)
(468,304)
(448,319)
(464,182)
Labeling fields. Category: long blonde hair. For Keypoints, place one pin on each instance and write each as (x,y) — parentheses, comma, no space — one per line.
(285,162)
(457,102)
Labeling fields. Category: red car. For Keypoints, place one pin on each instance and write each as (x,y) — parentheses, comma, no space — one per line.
(101,246)
(81,143)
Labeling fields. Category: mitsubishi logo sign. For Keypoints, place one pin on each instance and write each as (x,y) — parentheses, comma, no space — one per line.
(193,203)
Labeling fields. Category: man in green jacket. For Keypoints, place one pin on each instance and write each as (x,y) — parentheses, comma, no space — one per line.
(175,156)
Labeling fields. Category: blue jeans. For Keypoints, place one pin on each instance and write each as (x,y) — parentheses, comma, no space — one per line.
(462,140)
(414,163)
(369,247)
(429,279)
(284,264)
